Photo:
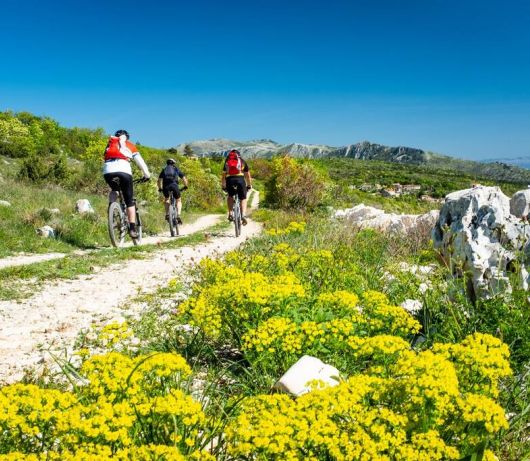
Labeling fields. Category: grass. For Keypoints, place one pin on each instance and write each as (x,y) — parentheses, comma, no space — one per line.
(15,279)
(33,206)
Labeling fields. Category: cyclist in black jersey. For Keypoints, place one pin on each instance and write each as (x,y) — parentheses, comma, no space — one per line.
(168,181)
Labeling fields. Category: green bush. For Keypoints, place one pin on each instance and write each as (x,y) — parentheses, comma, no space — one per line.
(294,185)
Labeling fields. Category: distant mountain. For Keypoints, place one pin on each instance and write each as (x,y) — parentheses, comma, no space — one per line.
(522,162)
(498,170)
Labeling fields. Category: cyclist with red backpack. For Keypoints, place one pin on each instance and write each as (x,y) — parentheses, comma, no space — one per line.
(118,174)
(236,180)
(168,181)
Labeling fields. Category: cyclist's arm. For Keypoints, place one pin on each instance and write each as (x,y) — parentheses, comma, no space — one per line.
(141,164)
(159,183)
(223,180)
(185,180)
(248,179)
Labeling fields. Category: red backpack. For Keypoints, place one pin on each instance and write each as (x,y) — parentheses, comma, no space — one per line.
(234,165)
(112,151)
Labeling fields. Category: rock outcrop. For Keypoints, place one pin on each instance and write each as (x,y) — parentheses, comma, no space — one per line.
(478,234)
(374,218)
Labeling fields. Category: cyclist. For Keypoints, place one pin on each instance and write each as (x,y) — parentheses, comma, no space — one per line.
(118,174)
(168,181)
(236,180)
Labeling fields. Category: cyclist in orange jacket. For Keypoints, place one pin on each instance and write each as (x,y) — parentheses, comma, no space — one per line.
(118,174)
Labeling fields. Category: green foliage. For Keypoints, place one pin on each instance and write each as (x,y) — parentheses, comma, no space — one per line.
(294,185)
(15,138)
(38,168)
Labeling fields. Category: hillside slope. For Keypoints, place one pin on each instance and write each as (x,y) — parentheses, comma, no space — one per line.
(265,148)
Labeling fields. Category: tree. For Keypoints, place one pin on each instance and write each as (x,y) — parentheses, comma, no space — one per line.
(188,151)
(15,138)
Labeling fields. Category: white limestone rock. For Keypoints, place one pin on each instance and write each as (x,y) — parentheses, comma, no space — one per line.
(83,206)
(296,379)
(5,203)
(477,233)
(374,218)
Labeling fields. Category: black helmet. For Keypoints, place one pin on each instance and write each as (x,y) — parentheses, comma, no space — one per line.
(121,132)
(170,161)
(234,151)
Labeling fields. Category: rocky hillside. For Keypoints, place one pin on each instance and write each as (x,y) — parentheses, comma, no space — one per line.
(363,151)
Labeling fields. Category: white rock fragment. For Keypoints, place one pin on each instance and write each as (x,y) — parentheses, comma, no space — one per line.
(5,203)
(46,232)
(297,379)
(83,206)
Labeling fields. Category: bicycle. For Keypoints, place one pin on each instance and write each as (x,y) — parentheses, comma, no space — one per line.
(119,221)
(173,213)
(236,212)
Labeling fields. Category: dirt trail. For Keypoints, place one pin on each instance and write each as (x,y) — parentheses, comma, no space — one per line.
(55,315)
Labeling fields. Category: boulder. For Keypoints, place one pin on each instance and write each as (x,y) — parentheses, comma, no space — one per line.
(5,203)
(46,232)
(297,379)
(83,206)
(478,235)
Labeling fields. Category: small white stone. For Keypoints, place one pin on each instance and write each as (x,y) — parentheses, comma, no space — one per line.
(296,379)
(4,203)
(46,232)
(83,206)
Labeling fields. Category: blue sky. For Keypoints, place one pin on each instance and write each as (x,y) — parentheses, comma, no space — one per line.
(448,76)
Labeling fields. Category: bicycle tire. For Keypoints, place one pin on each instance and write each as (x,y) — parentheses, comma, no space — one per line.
(138,240)
(172,218)
(237,218)
(117,224)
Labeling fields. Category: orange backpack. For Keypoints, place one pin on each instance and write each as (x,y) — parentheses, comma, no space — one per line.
(112,151)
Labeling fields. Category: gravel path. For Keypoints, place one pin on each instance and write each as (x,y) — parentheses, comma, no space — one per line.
(55,315)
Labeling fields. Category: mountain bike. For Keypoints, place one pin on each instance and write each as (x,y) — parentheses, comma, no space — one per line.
(236,212)
(173,213)
(119,221)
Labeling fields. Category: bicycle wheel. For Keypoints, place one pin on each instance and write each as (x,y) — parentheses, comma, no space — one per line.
(237,218)
(117,224)
(138,239)
(173,230)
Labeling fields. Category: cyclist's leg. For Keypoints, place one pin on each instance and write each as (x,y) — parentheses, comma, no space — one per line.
(242,192)
(126,182)
(178,202)
(167,200)
(230,182)
(114,183)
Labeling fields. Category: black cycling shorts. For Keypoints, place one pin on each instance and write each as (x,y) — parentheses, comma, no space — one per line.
(121,182)
(172,186)
(236,184)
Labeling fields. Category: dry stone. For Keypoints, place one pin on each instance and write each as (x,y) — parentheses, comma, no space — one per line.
(479,235)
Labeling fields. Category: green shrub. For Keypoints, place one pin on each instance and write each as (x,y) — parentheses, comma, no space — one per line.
(294,185)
